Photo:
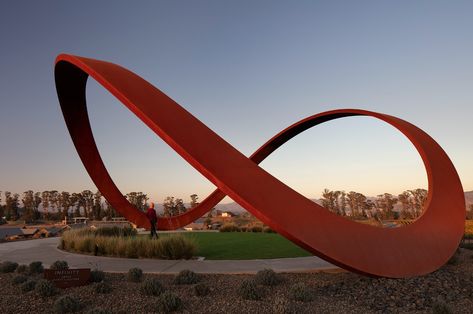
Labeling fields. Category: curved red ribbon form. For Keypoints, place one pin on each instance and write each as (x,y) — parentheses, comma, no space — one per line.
(416,249)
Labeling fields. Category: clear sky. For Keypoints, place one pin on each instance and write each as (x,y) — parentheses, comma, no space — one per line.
(247,69)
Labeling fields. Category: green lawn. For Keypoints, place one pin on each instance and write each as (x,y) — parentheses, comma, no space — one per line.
(244,245)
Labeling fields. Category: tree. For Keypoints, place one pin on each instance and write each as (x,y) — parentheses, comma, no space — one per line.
(45,198)
(28,205)
(2,212)
(54,200)
(180,207)
(65,202)
(343,203)
(419,196)
(109,210)
(386,203)
(97,209)
(11,205)
(87,201)
(36,202)
(194,201)
(137,199)
(407,207)
(169,207)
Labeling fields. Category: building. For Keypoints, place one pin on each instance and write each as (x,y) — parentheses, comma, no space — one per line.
(199,224)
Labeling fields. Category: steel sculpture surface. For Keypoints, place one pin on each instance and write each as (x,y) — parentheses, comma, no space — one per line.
(416,249)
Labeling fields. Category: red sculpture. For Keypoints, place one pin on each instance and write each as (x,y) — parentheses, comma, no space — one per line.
(416,249)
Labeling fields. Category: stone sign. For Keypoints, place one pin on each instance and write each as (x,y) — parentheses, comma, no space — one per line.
(66,278)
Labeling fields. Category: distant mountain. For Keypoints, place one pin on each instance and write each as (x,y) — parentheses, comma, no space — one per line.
(469,198)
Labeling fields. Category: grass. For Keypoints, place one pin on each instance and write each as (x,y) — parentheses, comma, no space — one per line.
(243,245)
(469,229)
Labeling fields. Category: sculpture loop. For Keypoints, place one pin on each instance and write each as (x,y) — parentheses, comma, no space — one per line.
(417,249)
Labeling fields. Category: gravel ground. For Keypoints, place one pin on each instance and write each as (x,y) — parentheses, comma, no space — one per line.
(340,292)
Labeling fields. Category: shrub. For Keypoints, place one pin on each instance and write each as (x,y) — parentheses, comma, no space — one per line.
(284,306)
(201,289)
(28,285)
(135,274)
(22,269)
(45,288)
(115,232)
(454,259)
(256,229)
(102,287)
(99,310)
(249,291)
(267,277)
(151,286)
(67,304)
(176,247)
(19,279)
(268,230)
(168,247)
(441,308)
(97,275)
(168,302)
(243,229)
(59,265)
(186,277)
(229,227)
(300,292)
(36,268)
(8,267)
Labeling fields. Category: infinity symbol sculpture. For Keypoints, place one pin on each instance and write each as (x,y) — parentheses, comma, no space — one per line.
(416,249)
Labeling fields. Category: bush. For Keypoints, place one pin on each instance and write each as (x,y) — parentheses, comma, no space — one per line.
(19,279)
(59,265)
(268,230)
(455,258)
(99,310)
(36,268)
(97,275)
(267,277)
(168,302)
(300,292)
(229,227)
(102,287)
(151,286)
(249,291)
(441,308)
(243,229)
(22,269)
(28,285)
(167,247)
(201,289)
(45,288)
(186,277)
(176,247)
(115,232)
(284,306)
(67,304)
(256,229)
(8,267)
(135,274)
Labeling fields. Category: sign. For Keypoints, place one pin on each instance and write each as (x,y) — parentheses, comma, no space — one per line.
(66,278)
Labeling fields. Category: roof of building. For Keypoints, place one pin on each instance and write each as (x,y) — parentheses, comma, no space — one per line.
(10,231)
(29,231)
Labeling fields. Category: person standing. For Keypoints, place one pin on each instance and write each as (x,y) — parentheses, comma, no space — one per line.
(153,220)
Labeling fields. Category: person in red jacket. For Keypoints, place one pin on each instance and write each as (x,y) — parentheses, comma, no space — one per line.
(153,220)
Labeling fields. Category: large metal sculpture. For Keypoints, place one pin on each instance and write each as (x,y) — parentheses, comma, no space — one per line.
(417,249)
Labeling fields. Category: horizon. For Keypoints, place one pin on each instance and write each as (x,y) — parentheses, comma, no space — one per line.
(246,81)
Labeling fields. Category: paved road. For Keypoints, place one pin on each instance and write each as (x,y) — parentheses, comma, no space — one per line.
(45,250)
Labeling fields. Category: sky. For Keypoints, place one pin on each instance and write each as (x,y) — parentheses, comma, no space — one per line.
(247,69)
